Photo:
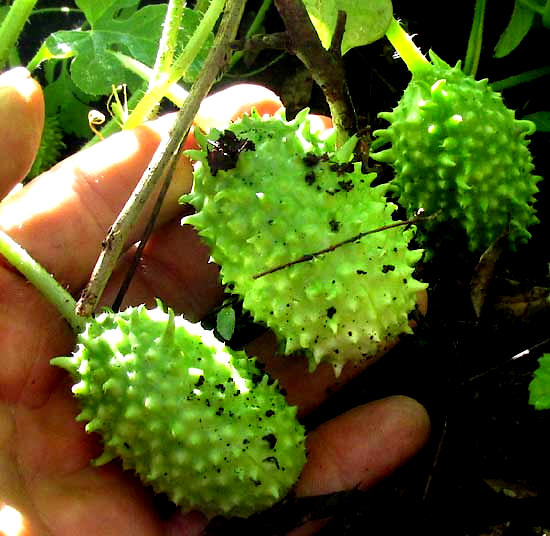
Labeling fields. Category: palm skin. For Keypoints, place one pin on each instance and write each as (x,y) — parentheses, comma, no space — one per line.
(61,218)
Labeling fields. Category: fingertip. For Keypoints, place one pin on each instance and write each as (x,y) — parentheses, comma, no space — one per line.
(220,108)
(21,124)
(363,446)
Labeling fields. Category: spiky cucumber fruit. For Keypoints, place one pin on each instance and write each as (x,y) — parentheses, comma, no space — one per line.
(51,145)
(457,148)
(539,388)
(192,418)
(268,192)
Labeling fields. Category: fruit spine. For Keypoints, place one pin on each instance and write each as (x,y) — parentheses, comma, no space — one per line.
(268,192)
(192,418)
(455,147)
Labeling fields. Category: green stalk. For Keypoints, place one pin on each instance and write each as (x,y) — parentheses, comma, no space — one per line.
(546,15)
(537,8)
(167,45)
(199,37)
(41,279)
(155,94)
(516,80)
(168,40)
(403,44)
(254,29)
(175,93)
(12,26)
(473,53)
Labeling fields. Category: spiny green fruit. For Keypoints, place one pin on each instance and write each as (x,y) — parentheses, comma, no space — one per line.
(457,148)
(269,192)
(539,388)
(192,418)
(51,145)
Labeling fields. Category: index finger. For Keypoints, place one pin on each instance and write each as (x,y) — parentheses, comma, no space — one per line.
(62,216)
(21,123)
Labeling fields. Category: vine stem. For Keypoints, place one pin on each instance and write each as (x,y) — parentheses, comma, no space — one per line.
(252,30)
(12,26)
(175,93)
(168,40)
(164,158)
(40,278)
(326,67)
(170,74)
(522,78)
(475,40)
(407,50)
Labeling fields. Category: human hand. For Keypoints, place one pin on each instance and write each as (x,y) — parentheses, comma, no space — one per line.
(61,218)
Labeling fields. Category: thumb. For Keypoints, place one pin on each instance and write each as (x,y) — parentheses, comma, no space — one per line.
(21,124)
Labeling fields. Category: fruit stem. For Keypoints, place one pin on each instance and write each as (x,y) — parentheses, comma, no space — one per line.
(40,278)
(407,50)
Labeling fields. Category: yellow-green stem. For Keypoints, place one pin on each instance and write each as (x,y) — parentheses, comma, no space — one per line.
(42,280)
(168,40)
(175,93)
(12,26)
(155,94)
(407,50)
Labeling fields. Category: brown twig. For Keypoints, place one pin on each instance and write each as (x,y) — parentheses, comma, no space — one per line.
(310,256)
(258,42)
(338,35)
(326,66)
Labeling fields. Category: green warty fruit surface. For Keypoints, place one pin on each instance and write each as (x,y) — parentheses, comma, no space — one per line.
(193,419)
(457,148)
(268,192)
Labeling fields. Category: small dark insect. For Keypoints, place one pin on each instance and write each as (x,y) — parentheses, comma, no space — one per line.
(224,152)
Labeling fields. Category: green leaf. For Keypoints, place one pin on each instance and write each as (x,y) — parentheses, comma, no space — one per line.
(518,27)
(3,12)
(70,105)
(539,388)
(94,69)
(225,322)
(366,21)
(541,120)
(94,10)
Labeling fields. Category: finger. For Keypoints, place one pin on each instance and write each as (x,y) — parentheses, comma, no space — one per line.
(174,267)
(62,216)
(229,104)
(307,389)
(52,456)
(361,447)
(92,186)
(21,124)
